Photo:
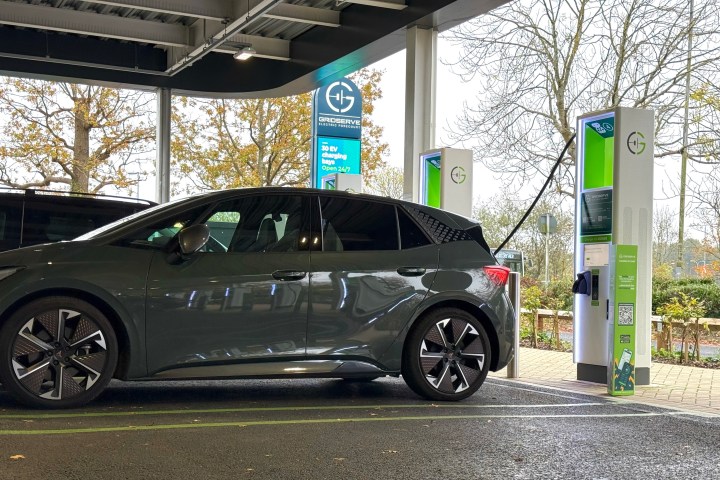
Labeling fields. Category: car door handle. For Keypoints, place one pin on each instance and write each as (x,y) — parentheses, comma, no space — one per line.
(411,271)
(288,275)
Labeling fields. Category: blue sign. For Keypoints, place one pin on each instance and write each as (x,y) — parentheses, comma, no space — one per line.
(336,155)
(338,110)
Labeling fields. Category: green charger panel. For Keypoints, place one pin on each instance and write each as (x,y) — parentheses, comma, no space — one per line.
(432,180)
(623,300)
(598,149)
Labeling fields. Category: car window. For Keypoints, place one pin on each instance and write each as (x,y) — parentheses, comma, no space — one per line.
(258,223)
(10,226)
(411,236)
(52,219)
(350,224)
(159,234)
(110,227)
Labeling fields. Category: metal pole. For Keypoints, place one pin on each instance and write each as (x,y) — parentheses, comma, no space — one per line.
(162,139)
(680,265)
(420,93)
(547,257)
(513,368)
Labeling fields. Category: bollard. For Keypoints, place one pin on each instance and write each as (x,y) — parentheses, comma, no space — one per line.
(513,368)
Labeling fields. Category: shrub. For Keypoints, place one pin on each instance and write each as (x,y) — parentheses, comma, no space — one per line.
(664,291)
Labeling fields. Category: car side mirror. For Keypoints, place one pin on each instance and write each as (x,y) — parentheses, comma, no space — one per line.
(193,238)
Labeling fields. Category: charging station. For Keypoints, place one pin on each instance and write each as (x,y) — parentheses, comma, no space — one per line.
(446,180)
(613,248)
(344,182)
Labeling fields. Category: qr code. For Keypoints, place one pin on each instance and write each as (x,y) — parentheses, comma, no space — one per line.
(626,312)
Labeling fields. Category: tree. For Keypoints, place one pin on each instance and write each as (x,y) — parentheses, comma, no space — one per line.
(80,137)
(387,181)
(221,143)
(706,215)
(498,216)
(543,63)
(664,236)
(684,309)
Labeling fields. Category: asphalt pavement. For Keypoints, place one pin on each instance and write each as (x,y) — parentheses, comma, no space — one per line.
(334,429)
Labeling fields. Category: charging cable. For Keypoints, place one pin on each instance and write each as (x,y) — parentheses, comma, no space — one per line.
(537,199)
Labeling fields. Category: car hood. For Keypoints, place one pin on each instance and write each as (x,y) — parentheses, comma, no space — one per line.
(37,253)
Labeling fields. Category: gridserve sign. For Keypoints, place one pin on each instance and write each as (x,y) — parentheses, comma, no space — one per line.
(338,110)
(337,128)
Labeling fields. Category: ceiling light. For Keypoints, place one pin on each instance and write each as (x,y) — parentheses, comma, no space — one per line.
(244,53)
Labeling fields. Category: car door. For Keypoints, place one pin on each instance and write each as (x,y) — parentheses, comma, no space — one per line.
(242,297)
(364,286)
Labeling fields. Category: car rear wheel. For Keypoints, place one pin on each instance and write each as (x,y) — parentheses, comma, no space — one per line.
(57,352)
(446,355)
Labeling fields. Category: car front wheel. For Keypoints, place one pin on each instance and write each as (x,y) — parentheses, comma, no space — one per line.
(446,355)
(57,352)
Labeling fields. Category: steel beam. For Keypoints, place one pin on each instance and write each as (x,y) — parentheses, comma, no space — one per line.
(210,9)
(301,14)
(91,23)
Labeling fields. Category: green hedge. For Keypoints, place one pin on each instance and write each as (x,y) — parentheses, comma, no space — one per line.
(704,289)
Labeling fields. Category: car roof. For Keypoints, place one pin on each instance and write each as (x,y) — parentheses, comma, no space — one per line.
(39,195)
(191,201)
(459,221)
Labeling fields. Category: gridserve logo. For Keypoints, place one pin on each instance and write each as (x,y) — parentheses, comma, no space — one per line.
(339,97)
(636,143)
(339,110)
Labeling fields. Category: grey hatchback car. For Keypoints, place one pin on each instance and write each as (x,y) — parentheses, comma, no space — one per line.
(270,282)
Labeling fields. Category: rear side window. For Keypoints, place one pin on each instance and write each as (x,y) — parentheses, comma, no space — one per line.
(55,219)
(350,224)
(10,215)
(411,236)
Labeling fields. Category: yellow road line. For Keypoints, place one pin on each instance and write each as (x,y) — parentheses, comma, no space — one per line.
(37,416)
(132,428)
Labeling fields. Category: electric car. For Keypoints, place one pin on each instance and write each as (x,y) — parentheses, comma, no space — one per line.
(270,282)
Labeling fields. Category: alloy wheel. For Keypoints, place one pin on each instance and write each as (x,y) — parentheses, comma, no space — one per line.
(452,356)
(59,354)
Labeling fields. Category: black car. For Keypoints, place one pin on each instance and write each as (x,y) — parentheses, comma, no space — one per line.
(31,217)
(271,282)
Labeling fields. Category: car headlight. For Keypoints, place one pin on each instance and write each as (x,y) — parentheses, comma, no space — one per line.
(7,271)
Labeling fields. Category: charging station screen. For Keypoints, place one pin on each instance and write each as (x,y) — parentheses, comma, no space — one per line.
(336,155)
(598,151)
(431,180)
(596,212)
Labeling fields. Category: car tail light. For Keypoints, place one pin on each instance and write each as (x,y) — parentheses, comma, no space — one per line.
(498,274)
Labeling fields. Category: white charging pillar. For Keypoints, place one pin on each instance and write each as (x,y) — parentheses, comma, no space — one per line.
(344,182)
(614,206)
(446,180)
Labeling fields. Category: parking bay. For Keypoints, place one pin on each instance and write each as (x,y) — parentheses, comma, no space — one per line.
(345,429)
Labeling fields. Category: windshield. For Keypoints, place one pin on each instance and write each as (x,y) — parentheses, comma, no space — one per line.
(118,223)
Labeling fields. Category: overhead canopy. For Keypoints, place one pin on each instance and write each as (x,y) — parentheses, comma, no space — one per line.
(190,45)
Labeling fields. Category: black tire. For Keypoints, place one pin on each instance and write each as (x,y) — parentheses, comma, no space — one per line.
(446,355)
(57,352)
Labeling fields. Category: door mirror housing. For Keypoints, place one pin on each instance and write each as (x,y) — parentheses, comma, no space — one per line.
(193,238)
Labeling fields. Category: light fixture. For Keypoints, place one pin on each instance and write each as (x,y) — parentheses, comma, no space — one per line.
(245,53)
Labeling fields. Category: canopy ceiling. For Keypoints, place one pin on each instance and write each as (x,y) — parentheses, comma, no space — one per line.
(189,45)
